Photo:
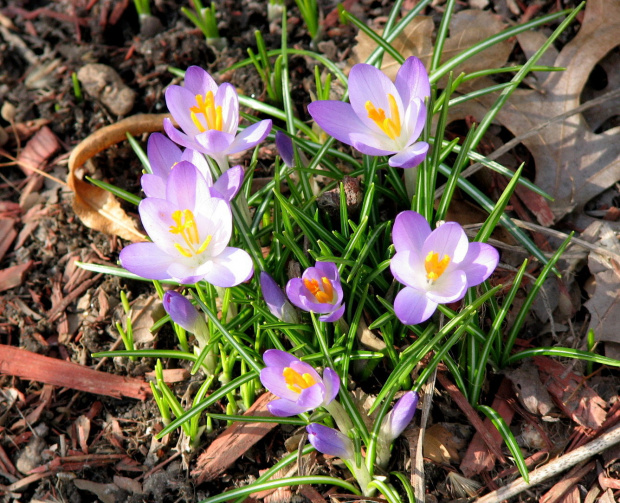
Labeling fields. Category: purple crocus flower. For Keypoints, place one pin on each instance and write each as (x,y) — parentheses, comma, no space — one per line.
(276,300)
(330,441)
(183,313)
(284,144)
(436,267)
(208,114)
(190,231)
(384,117)
(319,291)
(296,383)
(164,154)
(395,421)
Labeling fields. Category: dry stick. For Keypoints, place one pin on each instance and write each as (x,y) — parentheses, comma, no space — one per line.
(417,474)
(556,466)
(515,141)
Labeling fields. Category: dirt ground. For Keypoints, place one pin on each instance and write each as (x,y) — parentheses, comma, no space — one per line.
(61,443)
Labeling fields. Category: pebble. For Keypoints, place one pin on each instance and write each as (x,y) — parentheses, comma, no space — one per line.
(104,84)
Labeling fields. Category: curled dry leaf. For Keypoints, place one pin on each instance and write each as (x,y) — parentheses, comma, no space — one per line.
(97,208)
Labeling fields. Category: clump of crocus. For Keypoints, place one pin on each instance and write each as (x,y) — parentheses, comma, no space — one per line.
(299,387)
(276,300)
(319,291)
(394,423)
(190,231)
(164,154)
(208,114)
(384,117)
(436,267)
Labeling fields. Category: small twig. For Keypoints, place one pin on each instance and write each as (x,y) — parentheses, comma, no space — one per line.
(556,466)
(417,474)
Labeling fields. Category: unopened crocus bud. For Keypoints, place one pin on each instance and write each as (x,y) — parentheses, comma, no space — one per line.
(330,441)
(276,300)
(183,313)
(284,144)
(395,421)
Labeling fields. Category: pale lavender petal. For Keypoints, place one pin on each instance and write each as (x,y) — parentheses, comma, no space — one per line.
(331,381)
(153,185)
(410,231)
(415,118)
(330,441)
(198,159)
(178,137)
(312,397)
(250,136)
(230,268)
(146,260)
(179,100)
(410,157)
(327,270)
(395,422)
(412,80)
(214,218)
(284,144)
(301,297)
(337,119)
(184,271)
(305,368)
(372,143)
(185,187)
(228,99)
(413,306)
(156,217)
(162,154)
(448,239)
(276,300)
(285,408)
(227,186)
(368,83)
(198,81)
(450,287)
(479,263)
(183,312)
(278,358)
(214,143)
(334,316)
(407,267)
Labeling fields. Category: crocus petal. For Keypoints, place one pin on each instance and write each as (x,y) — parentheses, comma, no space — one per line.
(146,260)
(230,268)
(412,80)
(407,267)
(153,185)
(228,99)
(334,316)
(178,137)
(448,239)
(410,157)
(410,231)
(227,186)
(250,136)
(186,187)
(330,441)
(395,422)
(214,143)
(276,300)
(198,81)
(337,119)
(162,154)
(284,144)
(179,100)
(312,397)
(372,143)
(450,287)
(327,269)
(198,159)
(301,297)
(156,217)
(278,358)
(415,118)
(412,306)
(480,261)
(273,380)
(285,408)
(331,381)
(368,83)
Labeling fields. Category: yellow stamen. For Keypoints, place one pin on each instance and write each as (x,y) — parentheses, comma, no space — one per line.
(435,267)
(325,295)
(212,114)
(389,125)
(297,382)
(186,227)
